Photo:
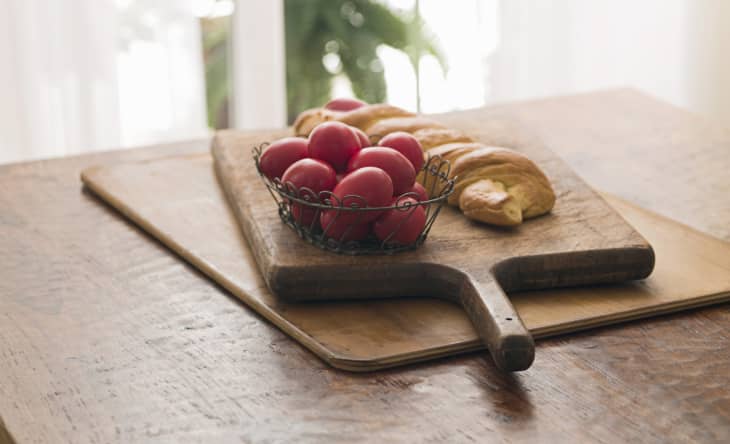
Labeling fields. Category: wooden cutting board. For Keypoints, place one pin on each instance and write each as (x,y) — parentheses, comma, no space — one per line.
(582,241)
(178,201)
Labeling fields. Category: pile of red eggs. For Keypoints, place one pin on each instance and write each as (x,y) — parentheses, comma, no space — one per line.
(340,159)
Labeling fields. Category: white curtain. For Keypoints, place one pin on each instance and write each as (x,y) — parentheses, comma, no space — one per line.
(81,75)
(259,86)
(58,79)
(161,73)
(678,50)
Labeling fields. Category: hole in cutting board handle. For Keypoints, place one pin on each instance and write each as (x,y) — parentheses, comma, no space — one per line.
(495,319)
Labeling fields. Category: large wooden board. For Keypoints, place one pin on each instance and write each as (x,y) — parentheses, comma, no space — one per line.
(178,201)
(582,241)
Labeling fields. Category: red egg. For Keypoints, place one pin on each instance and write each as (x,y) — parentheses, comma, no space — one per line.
(402,225)
(309,177)
(364,140)
(399,169)
(278,156)
(373,187)
(311,173)
(334,143)
(407,145)
(344,104)
(421,194)
(342,231)
(304,215)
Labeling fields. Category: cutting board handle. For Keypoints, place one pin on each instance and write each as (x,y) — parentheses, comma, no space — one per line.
(497,322)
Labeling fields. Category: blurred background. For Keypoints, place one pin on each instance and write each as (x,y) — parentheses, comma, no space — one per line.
(84,75)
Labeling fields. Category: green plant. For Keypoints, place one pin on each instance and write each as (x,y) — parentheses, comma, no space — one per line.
(216,32)
(351,30)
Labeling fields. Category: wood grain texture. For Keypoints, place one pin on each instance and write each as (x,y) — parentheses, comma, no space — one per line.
(196,222)
(106,336)
(5,437)
(582,241)
(658,156)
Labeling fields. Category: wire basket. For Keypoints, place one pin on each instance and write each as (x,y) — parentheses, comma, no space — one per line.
(301,208)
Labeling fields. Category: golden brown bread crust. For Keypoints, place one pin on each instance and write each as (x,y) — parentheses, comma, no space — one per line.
(361,118)
(452,151)
(508,171)
(488,200)
(433,137)
(494,185)
(409,124)
(370,115)
(307,120)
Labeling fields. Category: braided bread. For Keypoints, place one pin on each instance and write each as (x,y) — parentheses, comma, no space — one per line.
(494,185)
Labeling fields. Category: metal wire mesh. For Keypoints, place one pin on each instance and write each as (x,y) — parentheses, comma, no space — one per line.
(301,208)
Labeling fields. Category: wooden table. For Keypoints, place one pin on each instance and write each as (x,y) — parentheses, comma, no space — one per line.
(105,336)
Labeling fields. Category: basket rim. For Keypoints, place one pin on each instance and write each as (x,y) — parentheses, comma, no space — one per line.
(325,203)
